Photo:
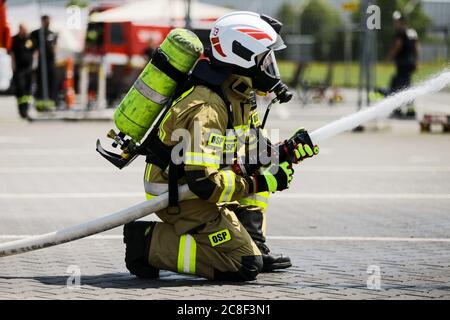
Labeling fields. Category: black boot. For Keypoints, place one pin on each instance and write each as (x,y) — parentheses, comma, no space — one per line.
(137,236)
(272,262)
(397,114)
(23,110)
(411,111)
(252,220)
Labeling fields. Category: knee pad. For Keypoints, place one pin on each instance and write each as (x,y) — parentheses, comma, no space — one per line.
(251,266)
(137,238)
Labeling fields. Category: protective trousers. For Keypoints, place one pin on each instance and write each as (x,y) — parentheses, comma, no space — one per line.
(402,78)
(22,87)
(206,240)
(46,102)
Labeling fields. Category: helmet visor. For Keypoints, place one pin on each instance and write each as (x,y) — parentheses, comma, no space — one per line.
(278,45)
(268,65)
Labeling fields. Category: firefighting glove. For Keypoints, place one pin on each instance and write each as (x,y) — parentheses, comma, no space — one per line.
(253,160)
(298,147)
(275,178)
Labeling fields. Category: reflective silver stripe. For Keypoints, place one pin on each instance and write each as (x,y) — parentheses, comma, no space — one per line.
(193,158)
(187,253)
(241,130)
(149,93)
(155,188)
(228,191)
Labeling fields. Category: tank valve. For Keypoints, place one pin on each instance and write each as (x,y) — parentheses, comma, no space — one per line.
(128,147)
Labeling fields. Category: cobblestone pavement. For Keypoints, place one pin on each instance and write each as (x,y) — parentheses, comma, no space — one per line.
(371,204)
(322,270)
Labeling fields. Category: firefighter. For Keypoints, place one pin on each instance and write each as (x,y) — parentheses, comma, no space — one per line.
(22,56)
(405,53)
(46,71)
(203,235)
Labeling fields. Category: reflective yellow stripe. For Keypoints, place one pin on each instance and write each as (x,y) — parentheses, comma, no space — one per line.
(243,127)
(181,249)
(24,99)
(259,200)
(253,202)
(187,253)
(183,95)
(149,196)
(162,132)
(271,181)
(229,178)
(148,169)
(202,159)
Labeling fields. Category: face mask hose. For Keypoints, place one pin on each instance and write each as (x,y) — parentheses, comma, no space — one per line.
(282,95)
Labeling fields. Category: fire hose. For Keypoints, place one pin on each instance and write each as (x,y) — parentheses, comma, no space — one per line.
(380,110)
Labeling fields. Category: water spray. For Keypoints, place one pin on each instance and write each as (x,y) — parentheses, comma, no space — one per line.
(381,109)
(378,111)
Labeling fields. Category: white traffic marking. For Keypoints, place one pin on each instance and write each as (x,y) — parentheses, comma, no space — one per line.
(387,239)
(282,238)
(110,169)
(370,169)
(72,195)
(15,140)
(424,159)
(48,152)
(365,196)
(320,169)
(324,196)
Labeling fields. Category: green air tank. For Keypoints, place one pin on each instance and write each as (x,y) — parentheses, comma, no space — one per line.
(146,98)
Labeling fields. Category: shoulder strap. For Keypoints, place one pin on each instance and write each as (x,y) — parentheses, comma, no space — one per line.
(161,61)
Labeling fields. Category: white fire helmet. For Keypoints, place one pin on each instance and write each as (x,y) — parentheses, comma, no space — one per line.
(247,40)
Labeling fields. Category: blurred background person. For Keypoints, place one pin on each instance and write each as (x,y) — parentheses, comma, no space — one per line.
(46,71)
(22,61)
(405,53)
(148,52)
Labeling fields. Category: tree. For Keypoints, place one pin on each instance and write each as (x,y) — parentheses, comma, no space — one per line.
(78,3)
(416,19)
(288,16)
(323,22)
(317,19)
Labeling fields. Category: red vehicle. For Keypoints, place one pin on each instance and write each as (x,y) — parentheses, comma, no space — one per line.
(5,36)
(117,51)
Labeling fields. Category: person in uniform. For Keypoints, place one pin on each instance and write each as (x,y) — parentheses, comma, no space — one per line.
(218,232)
(46,71)
(22,58)
(405,53)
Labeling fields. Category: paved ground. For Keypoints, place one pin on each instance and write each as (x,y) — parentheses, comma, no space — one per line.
(368,219)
